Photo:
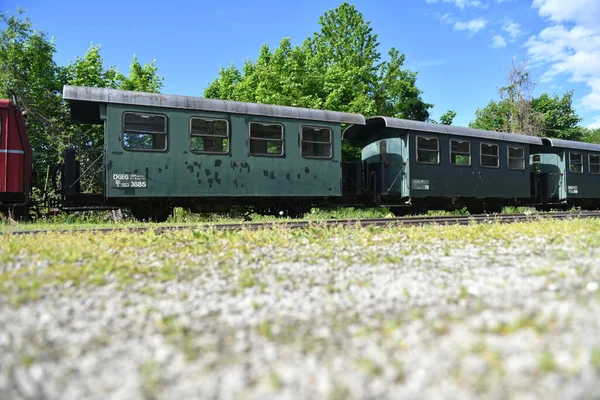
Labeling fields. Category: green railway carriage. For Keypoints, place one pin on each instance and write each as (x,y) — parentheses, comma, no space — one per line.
(415,166)
(162,151)
(567,172)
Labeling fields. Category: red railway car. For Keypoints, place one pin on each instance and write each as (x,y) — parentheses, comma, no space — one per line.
(15,158)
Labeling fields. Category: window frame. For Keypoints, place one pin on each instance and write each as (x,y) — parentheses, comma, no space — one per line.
(461,154)
(302,141)
(136,149)
(595,164)
(508,157)
(437,139)
(267,123)
(481,155)
(579,163)
(190,135)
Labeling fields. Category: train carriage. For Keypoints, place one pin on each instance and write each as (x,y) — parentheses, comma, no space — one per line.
(209,155)
(567,172)
(415,166)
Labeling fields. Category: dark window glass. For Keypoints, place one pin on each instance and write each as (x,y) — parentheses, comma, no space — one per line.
(460,152)
(594,160)
(209,135)
(516,157)
(266,139)
(575,163)
(144,131)
(316,142)
(428,150)
(489,156)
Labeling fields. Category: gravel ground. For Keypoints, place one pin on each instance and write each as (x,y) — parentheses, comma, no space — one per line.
(452,319)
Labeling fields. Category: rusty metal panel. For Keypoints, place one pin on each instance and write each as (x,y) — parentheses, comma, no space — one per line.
(78,95)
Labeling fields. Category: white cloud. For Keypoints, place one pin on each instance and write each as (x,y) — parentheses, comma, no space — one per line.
(570,46)
(513,29)
(585,12)
(498,42)
(473,26)
(460,3)
(446,18)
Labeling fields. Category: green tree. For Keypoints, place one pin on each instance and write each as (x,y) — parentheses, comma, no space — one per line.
(493,117)
(591,135)
(558,117)
(446,119)
(142,78)
(28,70)
(339,68)
(518,112)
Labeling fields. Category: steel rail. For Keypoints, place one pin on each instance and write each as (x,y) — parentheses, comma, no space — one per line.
(368,222)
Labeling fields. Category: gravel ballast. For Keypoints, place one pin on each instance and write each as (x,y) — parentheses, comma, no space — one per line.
(434,312)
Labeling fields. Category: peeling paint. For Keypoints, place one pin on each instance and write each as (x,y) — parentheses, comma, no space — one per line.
(218,163)
(306,170)
(207,172)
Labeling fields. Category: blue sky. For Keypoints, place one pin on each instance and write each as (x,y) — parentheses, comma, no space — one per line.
(461,48)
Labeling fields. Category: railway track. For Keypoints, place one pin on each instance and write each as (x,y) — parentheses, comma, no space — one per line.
(369,222)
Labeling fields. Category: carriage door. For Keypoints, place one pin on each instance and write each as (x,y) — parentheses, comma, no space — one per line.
(546,177)
(383,158)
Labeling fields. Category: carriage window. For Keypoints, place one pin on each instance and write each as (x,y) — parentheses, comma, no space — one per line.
(316,142)
(594,161)
(144,132)
(576,163)
(516,157)
(537,160)
(209,135)
(460,152)
(489,156)
(266,139)
(428,150)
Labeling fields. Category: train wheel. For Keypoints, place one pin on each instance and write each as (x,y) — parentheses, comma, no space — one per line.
(400,211)
(153,212)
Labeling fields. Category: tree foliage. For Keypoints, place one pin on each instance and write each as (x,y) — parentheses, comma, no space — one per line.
(339,68)
(518,112)
(591,135)
(28,70)
(446,119)
(142,78)
(557,116)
